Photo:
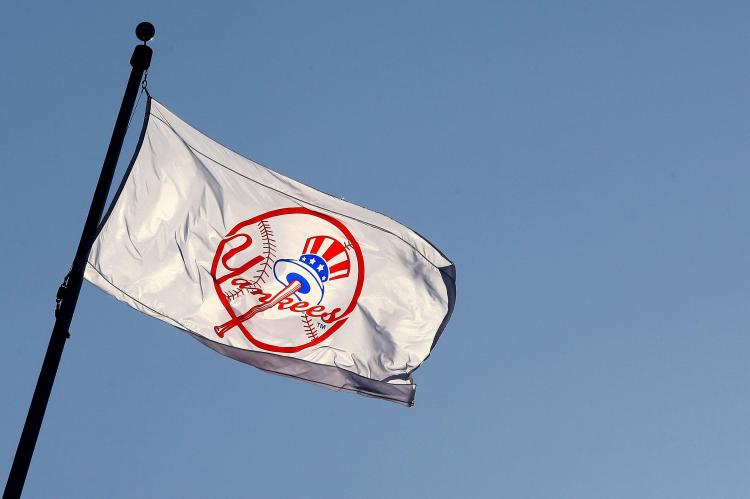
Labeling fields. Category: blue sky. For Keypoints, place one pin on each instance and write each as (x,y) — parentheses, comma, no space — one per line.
(584,164)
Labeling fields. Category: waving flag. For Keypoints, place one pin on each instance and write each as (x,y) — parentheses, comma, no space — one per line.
(269,271)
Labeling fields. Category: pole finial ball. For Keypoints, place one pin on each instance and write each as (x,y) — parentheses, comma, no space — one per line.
(145,31)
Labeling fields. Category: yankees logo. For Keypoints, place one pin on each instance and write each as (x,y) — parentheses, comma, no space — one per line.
(288,278)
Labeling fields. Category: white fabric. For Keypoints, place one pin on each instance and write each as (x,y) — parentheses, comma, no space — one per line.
(199,236)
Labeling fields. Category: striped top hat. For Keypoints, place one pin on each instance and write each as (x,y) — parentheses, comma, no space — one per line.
(323,259)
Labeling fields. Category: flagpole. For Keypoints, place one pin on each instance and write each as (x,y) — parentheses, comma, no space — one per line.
(71,287)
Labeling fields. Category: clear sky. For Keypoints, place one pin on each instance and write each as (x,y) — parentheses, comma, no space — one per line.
(584,164)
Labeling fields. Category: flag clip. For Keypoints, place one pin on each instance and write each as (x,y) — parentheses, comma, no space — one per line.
(144,83)
(61,295)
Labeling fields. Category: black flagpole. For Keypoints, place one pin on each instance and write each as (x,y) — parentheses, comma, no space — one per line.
(71,287)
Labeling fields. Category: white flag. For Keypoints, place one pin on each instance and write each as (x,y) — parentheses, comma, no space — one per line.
(269,271)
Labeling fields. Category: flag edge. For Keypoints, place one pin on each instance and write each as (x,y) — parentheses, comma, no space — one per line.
(126,175)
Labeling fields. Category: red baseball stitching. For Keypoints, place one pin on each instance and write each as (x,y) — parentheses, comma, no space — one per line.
(310,329)
(234,293)
(269,252)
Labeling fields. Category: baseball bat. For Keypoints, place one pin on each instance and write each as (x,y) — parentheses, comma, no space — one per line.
(288,290)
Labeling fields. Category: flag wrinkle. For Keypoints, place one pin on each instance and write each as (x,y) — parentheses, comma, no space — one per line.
(350,382)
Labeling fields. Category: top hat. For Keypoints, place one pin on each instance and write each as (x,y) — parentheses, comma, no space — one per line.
(323,259)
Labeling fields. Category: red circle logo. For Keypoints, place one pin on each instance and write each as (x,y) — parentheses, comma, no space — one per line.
(288,278)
